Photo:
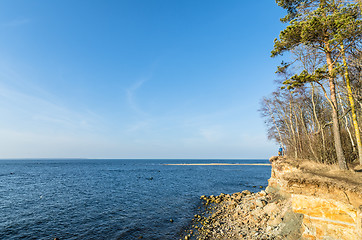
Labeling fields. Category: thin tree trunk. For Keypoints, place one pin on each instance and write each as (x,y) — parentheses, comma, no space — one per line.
(318,123)
(307,134)
(292,128)
(298,130)
(336,128)
(346,119)
(276,126)
(324,146)
(352,104)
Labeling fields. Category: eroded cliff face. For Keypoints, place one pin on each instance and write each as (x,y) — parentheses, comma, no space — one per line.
(330,203)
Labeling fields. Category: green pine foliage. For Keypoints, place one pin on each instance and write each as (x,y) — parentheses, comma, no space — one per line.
(311,104)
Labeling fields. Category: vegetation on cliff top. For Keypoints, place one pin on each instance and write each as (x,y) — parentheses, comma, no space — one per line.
(316,111)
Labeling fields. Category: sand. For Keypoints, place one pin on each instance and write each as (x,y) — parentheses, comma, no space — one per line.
(219,164)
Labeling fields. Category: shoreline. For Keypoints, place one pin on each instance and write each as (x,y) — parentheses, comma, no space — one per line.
(293,206)
(217,164)
(244,215)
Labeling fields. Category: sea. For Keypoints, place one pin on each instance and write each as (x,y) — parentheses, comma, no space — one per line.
(113,199)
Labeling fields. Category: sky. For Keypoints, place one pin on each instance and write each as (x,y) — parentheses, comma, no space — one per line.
(136,78)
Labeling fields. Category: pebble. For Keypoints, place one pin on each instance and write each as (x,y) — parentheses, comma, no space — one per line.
(244,215)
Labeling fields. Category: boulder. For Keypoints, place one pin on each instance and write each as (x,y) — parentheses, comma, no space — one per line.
(271,208)
(246,192)
(260,202)
(358,168)
(274,158)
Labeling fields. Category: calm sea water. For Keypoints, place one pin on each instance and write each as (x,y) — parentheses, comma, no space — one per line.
(112,199)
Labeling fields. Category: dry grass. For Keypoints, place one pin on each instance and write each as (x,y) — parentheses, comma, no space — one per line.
(329,173)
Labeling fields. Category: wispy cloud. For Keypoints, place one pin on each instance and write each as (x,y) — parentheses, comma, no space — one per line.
(32,126)
(138,126)
(24,103)
(36,122)
(22,110)
(131,96)
(16,22)
(211,134)
(30,144)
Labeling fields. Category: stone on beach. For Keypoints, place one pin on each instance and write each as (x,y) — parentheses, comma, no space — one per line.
(244,215)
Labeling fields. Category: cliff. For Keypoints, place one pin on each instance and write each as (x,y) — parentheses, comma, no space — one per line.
(329,200)
(303,200)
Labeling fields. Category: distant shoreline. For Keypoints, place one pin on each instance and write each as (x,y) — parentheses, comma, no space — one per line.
(217,164)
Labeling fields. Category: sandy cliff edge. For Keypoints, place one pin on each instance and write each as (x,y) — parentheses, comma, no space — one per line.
(303,200)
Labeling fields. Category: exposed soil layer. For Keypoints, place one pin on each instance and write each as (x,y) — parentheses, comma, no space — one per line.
(269,214)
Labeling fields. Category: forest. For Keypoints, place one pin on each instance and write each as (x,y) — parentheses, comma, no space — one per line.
(315,112)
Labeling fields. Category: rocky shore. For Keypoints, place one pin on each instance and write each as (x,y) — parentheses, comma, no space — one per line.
(245,215)
(303,200)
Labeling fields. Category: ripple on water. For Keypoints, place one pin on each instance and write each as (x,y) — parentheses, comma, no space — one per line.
(111,199)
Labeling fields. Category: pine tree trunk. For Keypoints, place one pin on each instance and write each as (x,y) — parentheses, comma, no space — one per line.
(347,123)
(335,127)
(353,109)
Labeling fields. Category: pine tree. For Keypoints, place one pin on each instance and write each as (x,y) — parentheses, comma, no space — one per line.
(325,26)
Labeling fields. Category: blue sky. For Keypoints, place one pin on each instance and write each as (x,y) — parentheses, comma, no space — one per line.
(136,78)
